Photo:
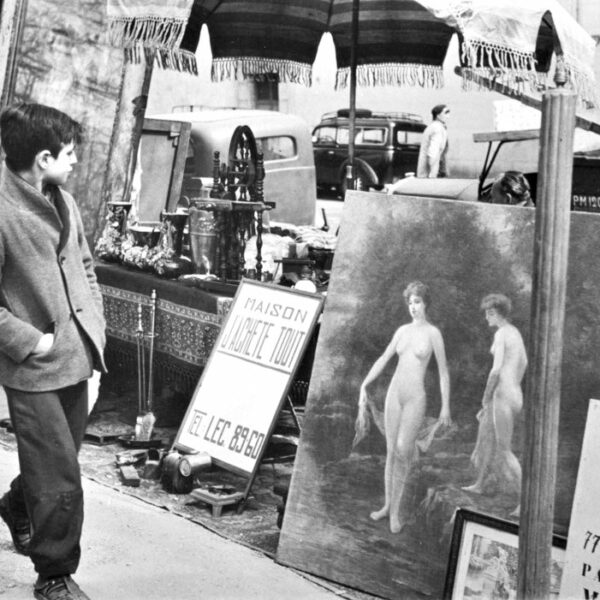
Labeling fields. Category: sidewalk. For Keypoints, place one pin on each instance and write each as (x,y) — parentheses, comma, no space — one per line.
(134,551)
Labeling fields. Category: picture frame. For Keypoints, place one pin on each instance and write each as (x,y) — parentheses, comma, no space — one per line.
(483,558)
(164,149)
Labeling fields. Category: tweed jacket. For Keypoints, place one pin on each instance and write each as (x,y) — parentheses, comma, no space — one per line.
(47,285)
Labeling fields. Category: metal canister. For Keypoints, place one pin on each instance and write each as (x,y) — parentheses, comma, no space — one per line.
(190,464)
(172,480)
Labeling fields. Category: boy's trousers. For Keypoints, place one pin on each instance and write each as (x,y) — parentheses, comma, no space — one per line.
(49,427)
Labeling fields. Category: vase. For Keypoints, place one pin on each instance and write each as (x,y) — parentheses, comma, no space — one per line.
(203,239)
(168,260)
(108,246)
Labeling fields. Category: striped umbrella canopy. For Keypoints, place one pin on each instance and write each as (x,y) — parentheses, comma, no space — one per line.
(395,42)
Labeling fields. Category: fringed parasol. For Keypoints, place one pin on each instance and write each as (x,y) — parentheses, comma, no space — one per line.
(399,42)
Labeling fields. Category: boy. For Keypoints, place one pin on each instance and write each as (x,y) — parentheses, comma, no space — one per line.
(51,337)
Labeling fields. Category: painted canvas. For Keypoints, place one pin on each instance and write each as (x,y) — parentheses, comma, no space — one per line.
(417,363)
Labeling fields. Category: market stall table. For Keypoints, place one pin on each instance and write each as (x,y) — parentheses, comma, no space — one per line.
(188,321)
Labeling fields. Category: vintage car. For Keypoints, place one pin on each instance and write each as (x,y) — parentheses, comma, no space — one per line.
(283,139)
(386,148)
(585,191)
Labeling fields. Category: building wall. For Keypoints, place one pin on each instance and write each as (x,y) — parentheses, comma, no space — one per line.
(587,12)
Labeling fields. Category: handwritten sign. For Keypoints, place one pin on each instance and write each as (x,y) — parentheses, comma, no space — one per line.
(581,576)
(248,374)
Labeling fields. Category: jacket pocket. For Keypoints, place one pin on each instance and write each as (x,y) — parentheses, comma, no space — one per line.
(50,328)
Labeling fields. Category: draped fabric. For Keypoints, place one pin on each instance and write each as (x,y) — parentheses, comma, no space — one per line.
(400,42)
(514,41)
(370,413)
(188,321)
(152,26)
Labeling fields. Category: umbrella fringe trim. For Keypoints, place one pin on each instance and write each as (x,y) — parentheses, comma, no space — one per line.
(476,52)
(175,60)
(240,68)
(512,68)
(583,83)
(516,81)
(151,31)
(516,70)
(411,74)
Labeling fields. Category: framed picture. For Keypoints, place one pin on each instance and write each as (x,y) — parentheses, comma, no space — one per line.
(483,558)
(163,153)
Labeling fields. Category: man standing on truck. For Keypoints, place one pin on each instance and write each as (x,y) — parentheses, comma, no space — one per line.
(434,145)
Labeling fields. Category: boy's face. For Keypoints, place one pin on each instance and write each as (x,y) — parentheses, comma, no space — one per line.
(58,169)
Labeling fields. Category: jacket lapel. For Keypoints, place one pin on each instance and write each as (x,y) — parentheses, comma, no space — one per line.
(15,190)
(63,213)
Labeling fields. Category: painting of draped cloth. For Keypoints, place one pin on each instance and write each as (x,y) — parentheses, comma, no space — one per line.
(499,477)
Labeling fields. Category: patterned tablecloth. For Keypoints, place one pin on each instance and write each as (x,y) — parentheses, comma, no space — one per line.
(187,324)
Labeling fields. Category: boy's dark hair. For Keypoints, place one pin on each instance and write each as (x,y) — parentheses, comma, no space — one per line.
(26,129)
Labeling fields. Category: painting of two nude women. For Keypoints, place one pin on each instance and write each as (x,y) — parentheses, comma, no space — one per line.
(418,391)
(403,415)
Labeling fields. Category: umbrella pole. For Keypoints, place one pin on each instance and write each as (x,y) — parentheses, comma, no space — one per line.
(350,170)
(551,250)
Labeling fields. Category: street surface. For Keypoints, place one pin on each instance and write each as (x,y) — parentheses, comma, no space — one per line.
(135,551)
(132,550)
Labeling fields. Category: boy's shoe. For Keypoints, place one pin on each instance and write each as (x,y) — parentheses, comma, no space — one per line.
(19,526)
(60,587)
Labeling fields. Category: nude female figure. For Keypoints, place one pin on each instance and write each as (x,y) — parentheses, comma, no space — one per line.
(405,402)
(502,401)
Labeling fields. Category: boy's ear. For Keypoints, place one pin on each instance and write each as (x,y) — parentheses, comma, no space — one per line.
(42,158)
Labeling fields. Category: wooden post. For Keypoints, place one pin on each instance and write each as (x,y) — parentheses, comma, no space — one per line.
(551,250)
(127,131)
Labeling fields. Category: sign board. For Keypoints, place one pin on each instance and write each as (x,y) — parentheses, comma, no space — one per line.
(581,576)
(246,379)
